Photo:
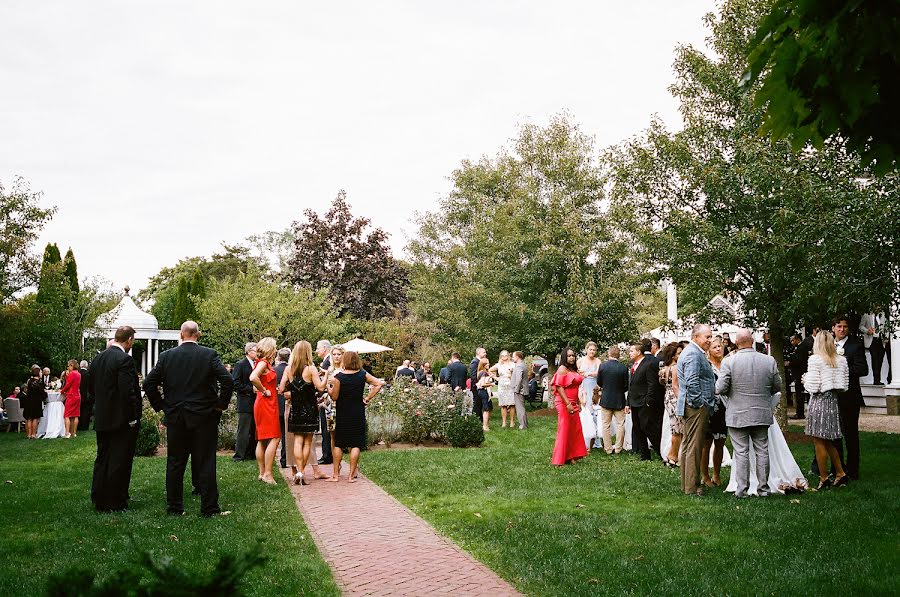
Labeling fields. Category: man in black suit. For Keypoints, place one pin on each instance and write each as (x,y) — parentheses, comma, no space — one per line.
(799,365)
(245,439)
(323,351)
(480,353)
(612,379)
(196,388)
(117,413)
(281,361)
(456,373)
(644,400)
(87,401)
(850,402)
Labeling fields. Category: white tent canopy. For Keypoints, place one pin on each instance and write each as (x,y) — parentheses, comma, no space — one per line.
(364,346)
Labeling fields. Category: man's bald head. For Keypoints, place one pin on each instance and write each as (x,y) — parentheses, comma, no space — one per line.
(744,338)
(190,330)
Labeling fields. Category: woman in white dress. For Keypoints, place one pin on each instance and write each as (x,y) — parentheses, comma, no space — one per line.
(502,372)
(588,366)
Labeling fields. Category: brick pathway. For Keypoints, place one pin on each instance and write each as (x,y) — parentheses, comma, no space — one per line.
(376,546)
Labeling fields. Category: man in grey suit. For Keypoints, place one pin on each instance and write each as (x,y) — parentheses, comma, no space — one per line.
(748,380)
(696,398)
(520,387)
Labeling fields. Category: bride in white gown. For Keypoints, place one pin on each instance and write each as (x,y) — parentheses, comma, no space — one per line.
(666,443)
(783,469)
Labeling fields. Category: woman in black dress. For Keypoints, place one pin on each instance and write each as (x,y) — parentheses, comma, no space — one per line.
(350,411)
(299,384)
(33,402)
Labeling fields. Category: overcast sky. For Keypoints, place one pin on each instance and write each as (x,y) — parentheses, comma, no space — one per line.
(162,129)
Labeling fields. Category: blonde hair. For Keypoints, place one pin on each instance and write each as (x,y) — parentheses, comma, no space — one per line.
(301,358)
(266,349)
(483,365)
(824,348)
(588,345)
(715,340)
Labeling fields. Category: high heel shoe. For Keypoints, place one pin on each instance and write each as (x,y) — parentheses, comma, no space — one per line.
(298,479)
(841,481)
(824,484)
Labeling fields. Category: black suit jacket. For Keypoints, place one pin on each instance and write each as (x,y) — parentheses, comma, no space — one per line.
(457,375)
(246,393)
(85,383)
(644,386)
(114,386)
(612,378)
(855,353)
(473,372)
(195,384)
(279,372)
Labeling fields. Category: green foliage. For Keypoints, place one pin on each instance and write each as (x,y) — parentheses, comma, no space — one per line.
(147,577)
(521,255)
(183,307)
(163,288)
(340,252)
(21,221)
(149,437)
(227,428)
(51,264)
(464,432)
(409,412)
(790,237)
(823,68)
(244,309)
(71,270)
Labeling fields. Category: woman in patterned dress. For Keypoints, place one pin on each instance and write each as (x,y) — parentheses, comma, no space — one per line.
(299,384)
(668,376)
(502,372)
(717,430)
(827,374)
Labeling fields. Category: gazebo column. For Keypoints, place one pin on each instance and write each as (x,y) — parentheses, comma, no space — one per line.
(892,390)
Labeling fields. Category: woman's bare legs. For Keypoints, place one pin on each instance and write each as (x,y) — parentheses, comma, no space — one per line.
(675,447)
(718,453)
(336,455)
(354,464)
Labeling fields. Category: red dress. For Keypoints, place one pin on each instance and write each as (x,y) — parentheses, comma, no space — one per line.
(265,410)
(72,393)
(569,441)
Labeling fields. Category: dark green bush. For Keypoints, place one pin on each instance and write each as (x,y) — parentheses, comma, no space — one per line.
(149,437)
(465,431)
(228,428)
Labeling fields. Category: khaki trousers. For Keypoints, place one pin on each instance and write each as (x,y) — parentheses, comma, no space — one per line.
(695,422)
(606,416)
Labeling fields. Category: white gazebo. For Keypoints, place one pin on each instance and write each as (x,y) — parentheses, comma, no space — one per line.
(145,326)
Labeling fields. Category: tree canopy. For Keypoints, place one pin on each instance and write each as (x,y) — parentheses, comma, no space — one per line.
(343,253)
(829,67)
(520,254)
(21,220)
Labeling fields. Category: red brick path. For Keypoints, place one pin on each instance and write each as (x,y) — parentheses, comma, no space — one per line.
(376,546)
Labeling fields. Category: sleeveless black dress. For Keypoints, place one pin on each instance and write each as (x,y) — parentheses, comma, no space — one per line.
(304,417)
(33,401)
(350,412)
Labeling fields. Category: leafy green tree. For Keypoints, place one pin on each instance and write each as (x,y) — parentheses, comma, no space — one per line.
(71,270)
(791,237)
(520,254)
(821,68)
(183,308)
(163,288)
(241,309)
(21,220)
(355,263)
(51,264)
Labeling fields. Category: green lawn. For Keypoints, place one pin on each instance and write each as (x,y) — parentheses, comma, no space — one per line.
(49,524)
(614,525)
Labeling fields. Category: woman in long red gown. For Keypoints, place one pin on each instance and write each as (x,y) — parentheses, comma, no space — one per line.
(569,445)
(265,409)
(72,393)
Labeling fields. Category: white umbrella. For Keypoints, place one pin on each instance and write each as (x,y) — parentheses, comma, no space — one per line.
(364,346)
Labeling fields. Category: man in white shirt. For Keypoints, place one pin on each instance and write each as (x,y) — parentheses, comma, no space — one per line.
(871,325)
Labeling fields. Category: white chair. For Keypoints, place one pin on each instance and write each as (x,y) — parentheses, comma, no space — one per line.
(14,412)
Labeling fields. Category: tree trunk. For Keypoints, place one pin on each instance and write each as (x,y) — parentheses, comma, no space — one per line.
(776,340)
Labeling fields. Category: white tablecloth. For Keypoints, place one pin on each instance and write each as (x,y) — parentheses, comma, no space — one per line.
(52,424)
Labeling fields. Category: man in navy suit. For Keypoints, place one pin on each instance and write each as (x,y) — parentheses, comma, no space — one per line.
(456,373)
(196,389)
(644,401)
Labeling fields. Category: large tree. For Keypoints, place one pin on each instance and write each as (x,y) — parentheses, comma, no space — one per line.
(240,309)
(829,67)
(349,257)
(792,237)
(520,254)
(21,220)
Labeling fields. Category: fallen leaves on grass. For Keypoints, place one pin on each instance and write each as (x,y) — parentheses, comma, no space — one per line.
(478,514)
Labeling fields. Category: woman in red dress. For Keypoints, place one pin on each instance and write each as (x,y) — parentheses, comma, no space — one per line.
(265,409)
(71,392)
(569,445)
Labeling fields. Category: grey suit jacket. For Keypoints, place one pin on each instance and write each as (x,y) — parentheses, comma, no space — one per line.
(747,381)
(519,379)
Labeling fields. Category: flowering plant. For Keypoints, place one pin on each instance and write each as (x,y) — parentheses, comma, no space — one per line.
(406,411)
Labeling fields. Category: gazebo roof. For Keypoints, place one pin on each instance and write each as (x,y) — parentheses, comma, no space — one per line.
(128,313)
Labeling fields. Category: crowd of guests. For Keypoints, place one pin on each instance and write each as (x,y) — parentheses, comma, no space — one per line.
(710,388)
(26,403)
